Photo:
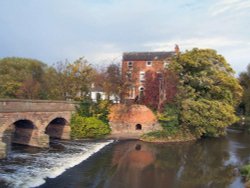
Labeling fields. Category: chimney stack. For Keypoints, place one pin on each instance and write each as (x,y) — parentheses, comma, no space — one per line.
(177,49)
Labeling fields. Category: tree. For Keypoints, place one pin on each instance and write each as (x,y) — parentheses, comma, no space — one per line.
(152,90)
(32,79)
(74,79)
(244,79)
(207,91)
(160,89)
(112,76)
(21,78)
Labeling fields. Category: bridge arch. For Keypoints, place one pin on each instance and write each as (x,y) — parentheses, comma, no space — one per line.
(58,128)
(40,112)
(19,131)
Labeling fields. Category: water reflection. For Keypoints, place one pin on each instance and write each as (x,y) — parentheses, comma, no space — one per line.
(136,164)
(205,163)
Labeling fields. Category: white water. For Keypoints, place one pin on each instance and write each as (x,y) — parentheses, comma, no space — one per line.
(26,169)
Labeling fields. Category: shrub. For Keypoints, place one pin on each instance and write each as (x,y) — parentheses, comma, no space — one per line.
(88,127)
(99,109)
(245,172)
(169,117)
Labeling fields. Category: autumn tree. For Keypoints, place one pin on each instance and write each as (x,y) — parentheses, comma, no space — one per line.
(32,79)
(109,80)
(160,88)
(152,90)
(21,78)
(112,76)
(74,78)
(208,92)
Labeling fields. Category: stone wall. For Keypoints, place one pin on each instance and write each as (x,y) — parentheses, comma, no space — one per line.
(19,105)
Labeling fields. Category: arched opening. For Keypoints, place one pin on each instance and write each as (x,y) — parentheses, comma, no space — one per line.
(138,147)
(141,91)
(20,132)
(58,128)
(138,127)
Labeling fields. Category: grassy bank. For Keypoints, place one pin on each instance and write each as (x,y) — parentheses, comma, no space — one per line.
(167,136)
(245,172)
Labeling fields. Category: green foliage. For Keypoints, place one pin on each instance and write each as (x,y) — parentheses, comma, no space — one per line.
(169,116)
(99,109)
(245,83)
(91,119)
(245,171)
(205,74)
(207,117)
(77,77)
(88,127)
(169,134)
(21,78)
(168,119)
(32,79)
(207,91)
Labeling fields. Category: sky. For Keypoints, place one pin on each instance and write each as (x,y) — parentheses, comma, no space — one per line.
(101,30)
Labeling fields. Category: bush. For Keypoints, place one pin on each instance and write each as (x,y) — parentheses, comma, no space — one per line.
(99,109)
(88,127)
(169,118)
(245,171)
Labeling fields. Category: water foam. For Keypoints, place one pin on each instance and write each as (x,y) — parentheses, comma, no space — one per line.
(37,167)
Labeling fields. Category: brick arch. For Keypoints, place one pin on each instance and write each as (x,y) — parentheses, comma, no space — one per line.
(56,129)
(7,124)
(20,130)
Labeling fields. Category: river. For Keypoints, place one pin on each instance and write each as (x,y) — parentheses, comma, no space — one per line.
(210,162)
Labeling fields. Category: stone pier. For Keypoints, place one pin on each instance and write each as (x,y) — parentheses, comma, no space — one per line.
(3,150)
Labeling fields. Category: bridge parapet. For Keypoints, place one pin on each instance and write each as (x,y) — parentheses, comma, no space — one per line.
(23,105)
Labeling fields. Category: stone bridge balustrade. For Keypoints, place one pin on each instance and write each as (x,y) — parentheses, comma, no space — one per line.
(33,122)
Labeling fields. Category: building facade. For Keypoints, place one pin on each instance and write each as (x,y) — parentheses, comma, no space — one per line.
(135,66)
(97,93)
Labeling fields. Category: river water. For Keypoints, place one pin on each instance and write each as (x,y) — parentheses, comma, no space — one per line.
(130,164)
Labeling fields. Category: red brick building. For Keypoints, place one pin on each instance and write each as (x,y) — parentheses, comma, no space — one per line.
(136,64)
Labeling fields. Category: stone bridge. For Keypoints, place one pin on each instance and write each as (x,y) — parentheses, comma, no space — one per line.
(33,122)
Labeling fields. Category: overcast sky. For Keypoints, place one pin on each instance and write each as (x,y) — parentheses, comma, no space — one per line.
(100,30)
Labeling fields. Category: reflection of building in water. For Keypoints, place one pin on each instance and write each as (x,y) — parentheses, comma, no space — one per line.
(136,167)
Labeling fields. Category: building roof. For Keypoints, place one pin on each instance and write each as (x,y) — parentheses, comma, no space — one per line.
(96,88)
(134,114)
(146,56)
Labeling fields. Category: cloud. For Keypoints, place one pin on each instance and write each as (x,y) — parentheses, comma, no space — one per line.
(229,5)
(236,52)
(189,43)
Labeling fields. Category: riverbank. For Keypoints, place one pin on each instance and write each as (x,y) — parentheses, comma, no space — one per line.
(166,136)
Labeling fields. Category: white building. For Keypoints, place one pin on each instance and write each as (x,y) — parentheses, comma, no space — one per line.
(97,93)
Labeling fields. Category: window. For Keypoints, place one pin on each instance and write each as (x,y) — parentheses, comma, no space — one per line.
(166,64)
(131,92)
(129,76)
(130,64)
(149,63)
(142,76)
(141,91)
(159,75)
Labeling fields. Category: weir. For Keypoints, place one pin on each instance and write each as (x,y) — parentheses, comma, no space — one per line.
(33,122)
